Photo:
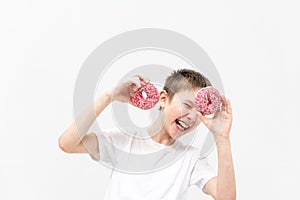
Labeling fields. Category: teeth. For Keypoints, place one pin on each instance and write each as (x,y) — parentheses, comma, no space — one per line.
(183,124)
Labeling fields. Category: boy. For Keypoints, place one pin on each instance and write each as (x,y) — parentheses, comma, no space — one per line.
(178,116)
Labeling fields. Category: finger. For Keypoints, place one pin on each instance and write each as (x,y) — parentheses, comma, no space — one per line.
(132,84)
(127,83)
(229,107)
(223,103)
(223,99)
(134,88)
(202,118)
(130,102)
(144,78)
(136,81)
(217,114)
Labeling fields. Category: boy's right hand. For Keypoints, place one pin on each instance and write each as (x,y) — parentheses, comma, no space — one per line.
(121,92)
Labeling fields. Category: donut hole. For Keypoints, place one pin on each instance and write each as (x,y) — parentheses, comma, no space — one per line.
(144,95)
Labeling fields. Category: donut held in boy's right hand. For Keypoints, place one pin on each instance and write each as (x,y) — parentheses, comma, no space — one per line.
(208,100)
(145,97)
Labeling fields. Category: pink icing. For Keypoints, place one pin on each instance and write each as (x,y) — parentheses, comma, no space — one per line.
(147,102)
(208,100)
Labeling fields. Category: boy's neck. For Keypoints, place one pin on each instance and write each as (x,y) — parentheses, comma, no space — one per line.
(158,133)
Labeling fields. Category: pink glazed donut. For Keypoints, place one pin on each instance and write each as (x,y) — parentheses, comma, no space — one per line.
(208,100)
(146,101)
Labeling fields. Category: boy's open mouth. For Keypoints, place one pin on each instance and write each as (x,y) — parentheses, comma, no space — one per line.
(181,125)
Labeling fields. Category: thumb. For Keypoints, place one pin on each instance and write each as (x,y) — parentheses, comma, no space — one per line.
(202,118)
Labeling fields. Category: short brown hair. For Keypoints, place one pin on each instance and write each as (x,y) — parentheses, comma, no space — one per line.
(184,79)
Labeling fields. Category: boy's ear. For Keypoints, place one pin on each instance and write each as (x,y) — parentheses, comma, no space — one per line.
(163,97)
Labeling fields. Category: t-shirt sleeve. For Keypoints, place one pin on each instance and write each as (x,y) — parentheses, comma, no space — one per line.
(110,143)
(201,173)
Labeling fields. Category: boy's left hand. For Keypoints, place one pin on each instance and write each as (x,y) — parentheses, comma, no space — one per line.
(220,124)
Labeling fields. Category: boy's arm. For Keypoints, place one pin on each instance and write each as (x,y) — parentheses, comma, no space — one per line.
(75,136)
(71,139)
(222,186)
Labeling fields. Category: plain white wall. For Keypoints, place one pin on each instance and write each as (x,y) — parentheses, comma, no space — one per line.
(254,45)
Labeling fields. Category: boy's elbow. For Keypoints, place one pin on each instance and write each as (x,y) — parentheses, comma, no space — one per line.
(229,197)
(62,145)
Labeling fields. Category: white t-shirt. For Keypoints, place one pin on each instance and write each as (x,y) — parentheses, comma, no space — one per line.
(167,182)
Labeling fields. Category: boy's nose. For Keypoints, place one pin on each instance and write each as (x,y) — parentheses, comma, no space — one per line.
(191,116)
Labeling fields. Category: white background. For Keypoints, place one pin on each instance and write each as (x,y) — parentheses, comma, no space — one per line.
(254,45)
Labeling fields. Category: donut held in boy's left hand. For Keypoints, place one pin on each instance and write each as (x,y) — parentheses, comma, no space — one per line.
(208,100)
(145,97)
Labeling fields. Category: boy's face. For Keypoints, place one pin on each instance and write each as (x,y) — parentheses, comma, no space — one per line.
(181,115)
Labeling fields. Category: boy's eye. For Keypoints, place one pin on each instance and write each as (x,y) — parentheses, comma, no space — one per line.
(187,105)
